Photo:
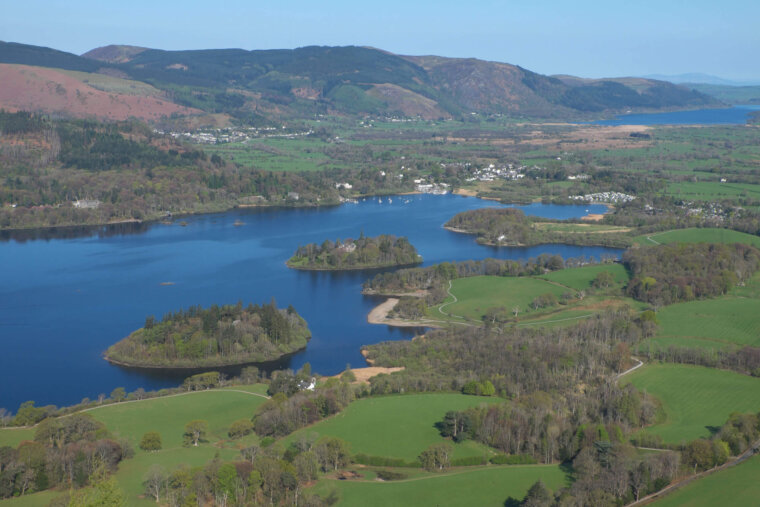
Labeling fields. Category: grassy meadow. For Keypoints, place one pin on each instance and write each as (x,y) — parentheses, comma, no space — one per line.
(737,486)
(397,426)
(695,399)
(698,235)
(712,323)
(168,415)
(482,486)
(14,436)
(477,294)
(582,278)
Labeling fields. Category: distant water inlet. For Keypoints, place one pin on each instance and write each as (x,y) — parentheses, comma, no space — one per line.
(65,298)
(737,115)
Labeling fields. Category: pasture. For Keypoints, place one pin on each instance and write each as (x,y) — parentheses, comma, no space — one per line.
(14,436)
(482,486)
(737,486)
(712,190)
(32,500)
(396,426)
(582,278)
(168,415)
(713,323)
(477,294)
(698,235)
(696,400)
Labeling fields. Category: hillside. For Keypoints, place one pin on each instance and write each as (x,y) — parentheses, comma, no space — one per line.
(357,80)
(83,95)
(114,53)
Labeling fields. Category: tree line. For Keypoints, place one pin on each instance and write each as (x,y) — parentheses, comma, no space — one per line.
(666,274)
(67,452)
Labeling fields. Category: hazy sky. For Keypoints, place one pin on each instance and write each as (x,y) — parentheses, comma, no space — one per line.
(588,38)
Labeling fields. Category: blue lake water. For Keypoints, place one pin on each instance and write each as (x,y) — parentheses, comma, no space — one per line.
(64,301)
(736,115)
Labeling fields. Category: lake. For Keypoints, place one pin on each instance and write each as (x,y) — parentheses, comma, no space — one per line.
(66,295)
(736,115)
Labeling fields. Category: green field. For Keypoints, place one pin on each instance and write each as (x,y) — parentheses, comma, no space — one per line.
(168,415)
(695,399)
(713,323)
(14,436)
(738,486)
(696,235)
(477,294)
(479,486)
(581,278)
(33,500)
(712,190)
(397,426)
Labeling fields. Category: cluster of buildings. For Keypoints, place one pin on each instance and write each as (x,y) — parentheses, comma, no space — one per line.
(86,203)
(606,197)
(706,210)
(233,135)
(491,173)
(431,188)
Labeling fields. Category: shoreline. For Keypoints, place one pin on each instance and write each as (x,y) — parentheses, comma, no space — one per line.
(123,364)
(379,315)
(358,268)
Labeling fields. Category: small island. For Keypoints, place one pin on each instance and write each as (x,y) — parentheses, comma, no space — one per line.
(363,253)
(211,337)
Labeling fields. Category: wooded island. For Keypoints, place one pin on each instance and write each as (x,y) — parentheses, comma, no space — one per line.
(216,336)
(363,253)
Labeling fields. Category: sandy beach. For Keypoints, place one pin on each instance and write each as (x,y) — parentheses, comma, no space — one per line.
(379,315)
(364,374)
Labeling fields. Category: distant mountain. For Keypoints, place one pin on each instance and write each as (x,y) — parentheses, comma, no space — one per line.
(114,53)
(697,77)
(357,80)
(729,94)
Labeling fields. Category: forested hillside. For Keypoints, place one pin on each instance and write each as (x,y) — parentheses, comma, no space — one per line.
(301,82)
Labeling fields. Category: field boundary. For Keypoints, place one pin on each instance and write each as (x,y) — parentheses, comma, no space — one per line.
(135,401)
(754,448)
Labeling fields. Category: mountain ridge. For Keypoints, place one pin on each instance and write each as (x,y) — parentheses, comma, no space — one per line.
(356,80)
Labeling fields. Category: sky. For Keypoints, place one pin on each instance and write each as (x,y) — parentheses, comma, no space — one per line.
(588,38)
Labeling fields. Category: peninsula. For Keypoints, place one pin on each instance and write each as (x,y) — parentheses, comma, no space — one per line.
(211,337)
(511,227)
(363,253)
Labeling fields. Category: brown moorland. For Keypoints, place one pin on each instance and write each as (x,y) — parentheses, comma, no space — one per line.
(46,90)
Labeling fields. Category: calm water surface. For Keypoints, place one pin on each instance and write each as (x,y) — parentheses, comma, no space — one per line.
(736,115)
(64,301)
